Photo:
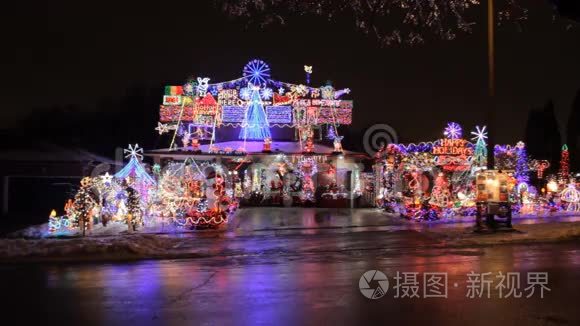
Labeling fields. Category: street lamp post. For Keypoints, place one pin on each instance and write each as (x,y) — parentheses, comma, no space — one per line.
(491,78)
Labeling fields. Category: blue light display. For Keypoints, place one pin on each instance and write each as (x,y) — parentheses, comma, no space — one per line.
(257,72)
(255,125)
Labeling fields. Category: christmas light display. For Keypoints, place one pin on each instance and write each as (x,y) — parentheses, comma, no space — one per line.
(540,166)
(308,70)
(453,131)
(162,128)
(292,105)
(266,93)
(134,167)
(256,72)
(202,86)
(436,177)
(83,206)
(564,163)
(307,167)
(480,152)
(415,178)
(522,165)
(134,216)
(505,157)
(571,197)
(255,125)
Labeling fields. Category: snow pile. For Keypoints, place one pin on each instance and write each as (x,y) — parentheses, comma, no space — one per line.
(125,247)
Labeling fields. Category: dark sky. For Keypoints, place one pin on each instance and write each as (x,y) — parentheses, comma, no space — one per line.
(62,53)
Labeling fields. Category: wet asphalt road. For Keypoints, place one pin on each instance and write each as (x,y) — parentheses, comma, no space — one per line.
(284,290)
(307,274)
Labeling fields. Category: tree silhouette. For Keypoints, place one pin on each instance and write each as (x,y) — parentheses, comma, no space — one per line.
(543,139)
(573,134)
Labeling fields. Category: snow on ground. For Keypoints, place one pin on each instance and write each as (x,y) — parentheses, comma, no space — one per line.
(258,231)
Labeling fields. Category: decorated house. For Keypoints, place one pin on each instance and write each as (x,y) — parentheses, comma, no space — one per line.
(277,143)
(437,179)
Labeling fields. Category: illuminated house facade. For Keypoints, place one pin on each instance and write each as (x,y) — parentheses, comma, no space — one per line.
(278,142)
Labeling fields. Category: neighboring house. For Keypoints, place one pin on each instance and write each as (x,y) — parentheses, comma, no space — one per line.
(39,178)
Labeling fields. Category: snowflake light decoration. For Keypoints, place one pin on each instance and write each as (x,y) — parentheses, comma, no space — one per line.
(256,72)
(453,131)
(480,134)
(266,93)
(245,93)
(134,152)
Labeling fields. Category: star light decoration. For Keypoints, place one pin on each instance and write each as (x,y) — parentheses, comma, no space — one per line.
(281,90)
(134,152)
(453,131)
(162,128)
(480,134)
(107,178)
(308,69)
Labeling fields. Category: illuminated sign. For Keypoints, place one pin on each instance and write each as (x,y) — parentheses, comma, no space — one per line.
(279,114)
(453,147)
(229,97)
(233,114)
(304,102)
(171,100)
(274,114)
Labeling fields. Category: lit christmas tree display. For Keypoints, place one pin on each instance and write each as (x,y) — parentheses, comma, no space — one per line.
(480,152)
(522,166)
(83,205)
(440,195)
(255,125)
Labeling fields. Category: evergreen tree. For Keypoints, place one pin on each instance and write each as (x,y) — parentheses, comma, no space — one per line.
(133,208)
(573,134)
(83,205)
(543,139)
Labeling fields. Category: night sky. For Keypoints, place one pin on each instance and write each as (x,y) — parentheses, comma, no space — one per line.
(73,53)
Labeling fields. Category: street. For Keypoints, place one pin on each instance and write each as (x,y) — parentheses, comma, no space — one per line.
(277,283)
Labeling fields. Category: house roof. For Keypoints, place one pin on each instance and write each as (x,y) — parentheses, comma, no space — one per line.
(51,153)
(255,148)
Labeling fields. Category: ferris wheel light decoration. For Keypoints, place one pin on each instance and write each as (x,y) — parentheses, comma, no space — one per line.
(256,72)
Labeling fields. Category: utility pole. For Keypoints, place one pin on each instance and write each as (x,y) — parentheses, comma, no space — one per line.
(491,76)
